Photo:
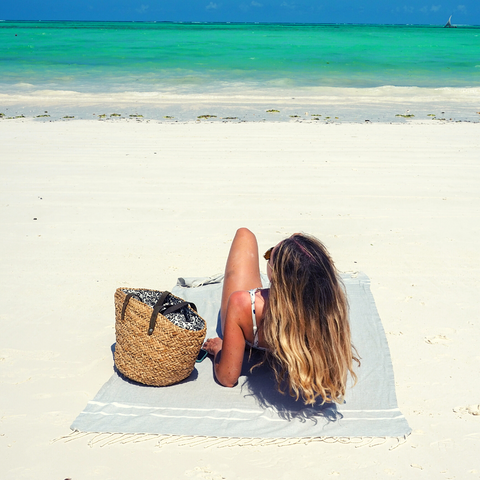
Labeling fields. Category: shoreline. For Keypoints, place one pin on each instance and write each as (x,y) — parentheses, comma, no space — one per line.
(119,118)
(331,105)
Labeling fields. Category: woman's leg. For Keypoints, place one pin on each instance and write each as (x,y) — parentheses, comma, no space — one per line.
(242,271)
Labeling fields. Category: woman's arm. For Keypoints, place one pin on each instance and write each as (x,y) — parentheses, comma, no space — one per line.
(228,354)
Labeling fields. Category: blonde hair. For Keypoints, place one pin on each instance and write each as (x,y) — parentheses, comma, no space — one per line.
(306,323)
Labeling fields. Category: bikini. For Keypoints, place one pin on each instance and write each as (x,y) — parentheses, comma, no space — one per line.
(254,321)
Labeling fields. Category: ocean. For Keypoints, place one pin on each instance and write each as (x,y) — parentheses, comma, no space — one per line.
(189,57)
(183,70)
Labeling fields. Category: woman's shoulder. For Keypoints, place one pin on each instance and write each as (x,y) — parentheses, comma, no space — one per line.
(241,304)
(243,298)
(244,302)
(240,299)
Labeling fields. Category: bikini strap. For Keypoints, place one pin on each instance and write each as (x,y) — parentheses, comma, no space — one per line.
(254,320)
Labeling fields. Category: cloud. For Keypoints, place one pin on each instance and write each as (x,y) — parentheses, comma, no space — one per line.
(432,8)
(244,7)
(143,8)
(212,6)
(462,8)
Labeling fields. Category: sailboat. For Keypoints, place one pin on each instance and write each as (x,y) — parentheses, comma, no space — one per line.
(449,23)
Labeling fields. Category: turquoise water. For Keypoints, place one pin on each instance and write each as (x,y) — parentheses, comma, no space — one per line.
(103,57)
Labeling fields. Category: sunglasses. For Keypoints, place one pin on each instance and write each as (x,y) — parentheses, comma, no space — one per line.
(268,253)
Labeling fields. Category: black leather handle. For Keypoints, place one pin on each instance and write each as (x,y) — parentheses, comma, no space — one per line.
(156,310)
(165,309)
(159,307)
(178,306)
(125,303)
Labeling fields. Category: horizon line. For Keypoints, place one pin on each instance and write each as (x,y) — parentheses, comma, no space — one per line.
(195,22)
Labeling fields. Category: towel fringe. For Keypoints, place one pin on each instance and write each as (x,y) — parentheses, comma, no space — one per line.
(122,438)
(73,435)
(99,437)
(400,441)
(104,439)
(235,443)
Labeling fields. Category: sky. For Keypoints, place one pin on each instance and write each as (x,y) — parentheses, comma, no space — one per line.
(436,12)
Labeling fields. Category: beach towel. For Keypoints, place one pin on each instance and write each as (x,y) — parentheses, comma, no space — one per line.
(199,406)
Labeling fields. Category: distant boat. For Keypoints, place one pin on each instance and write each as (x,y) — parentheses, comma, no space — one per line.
(449,23)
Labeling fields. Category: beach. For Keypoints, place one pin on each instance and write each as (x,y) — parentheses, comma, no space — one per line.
(131,152)
(91,204)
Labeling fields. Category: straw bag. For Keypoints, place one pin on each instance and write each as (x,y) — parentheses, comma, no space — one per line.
(158,336)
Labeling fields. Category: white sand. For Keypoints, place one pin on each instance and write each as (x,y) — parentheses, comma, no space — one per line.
(140,204)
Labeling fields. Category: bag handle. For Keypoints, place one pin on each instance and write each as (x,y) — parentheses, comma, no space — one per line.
(125,303)
(159,307)
(165,309)
(156,310)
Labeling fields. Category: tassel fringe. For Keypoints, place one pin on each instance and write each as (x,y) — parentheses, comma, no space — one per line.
(107,439)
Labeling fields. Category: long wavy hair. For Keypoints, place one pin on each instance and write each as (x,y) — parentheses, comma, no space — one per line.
(306,323)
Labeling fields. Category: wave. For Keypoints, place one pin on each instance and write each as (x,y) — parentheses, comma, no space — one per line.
(244,93)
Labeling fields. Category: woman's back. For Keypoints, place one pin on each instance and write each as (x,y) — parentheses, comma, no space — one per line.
(302,320)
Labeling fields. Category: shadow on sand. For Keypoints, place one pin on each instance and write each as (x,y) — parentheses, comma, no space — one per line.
(261,384)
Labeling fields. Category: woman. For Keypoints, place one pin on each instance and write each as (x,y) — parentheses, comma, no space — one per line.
(301,320)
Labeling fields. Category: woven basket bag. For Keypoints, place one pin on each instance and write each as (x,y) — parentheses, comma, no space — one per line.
(158,336)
